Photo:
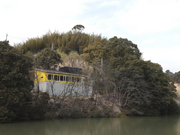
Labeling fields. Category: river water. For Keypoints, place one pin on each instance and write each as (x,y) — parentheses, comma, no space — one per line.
(96,126)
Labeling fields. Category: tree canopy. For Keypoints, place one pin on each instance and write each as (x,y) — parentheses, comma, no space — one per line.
(119,50)
(124,61)
(48,57)
(139,79)
(94,50)
(175,77)
(15,84)
(159,85)
(78,27)
(65,42)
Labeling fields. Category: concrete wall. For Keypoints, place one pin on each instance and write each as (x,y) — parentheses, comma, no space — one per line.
(64,88)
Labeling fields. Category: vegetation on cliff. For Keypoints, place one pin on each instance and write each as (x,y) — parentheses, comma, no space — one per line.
(140,87)
(73,40)
(124,81)
(174,76)
(46,58)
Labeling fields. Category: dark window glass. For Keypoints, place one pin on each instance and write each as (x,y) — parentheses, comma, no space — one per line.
(56,77)
(62,78)
(50,77)
(73,79)
(79,80)
(68,79)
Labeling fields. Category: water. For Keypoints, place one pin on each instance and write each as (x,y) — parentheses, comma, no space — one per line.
(97,126)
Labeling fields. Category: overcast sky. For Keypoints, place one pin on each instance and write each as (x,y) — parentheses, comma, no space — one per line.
(154,25)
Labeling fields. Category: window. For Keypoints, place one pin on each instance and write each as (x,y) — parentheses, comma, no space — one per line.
(78,80)
(68,79)
(62,78)
(73,79)
(50,77)
(56,77)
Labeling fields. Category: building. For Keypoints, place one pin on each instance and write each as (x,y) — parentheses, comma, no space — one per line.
(67,81)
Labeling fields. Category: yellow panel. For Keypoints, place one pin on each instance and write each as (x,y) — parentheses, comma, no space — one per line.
(41,76)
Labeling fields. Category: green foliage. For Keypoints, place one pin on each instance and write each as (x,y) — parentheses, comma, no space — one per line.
(65,42)
(122,56)
(175,77)
(150,90)
(121,115)
(163,92)
(78,27)
(77,114)
(28,53)
(63,113)
(125,55)
(71,113)
(72,56)
(47,58)
(40,106)
(94,50)
(73,59)
(95,114)
(121,51)
(15,84)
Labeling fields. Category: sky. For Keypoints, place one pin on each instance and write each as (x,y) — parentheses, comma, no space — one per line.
(154,25)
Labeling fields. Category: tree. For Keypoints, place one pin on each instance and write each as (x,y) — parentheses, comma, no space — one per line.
(15,84)
(123,88)
(78,27)
(142,86)
(121,51)
(47,58)
(94,50)
(159,85)
(73,40)
(175,77)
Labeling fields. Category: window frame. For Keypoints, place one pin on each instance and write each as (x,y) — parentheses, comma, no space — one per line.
(63,78)
(52,77)
(79,80)
(68,80)
(57,79)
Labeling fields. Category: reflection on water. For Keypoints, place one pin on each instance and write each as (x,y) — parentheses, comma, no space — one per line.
(103,126)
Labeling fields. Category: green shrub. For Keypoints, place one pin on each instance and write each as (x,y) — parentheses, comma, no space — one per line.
(75,113)
(71,113)
(95,114)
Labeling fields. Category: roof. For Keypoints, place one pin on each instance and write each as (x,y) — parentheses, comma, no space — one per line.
(71,70)
(58,72)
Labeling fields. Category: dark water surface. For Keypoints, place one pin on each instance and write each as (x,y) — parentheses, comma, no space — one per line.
(98,126)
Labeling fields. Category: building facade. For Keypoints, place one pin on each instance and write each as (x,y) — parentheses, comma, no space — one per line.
(62,83)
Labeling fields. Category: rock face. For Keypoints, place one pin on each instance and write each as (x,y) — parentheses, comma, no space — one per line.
(178,89)
(109,104)
(178,93)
